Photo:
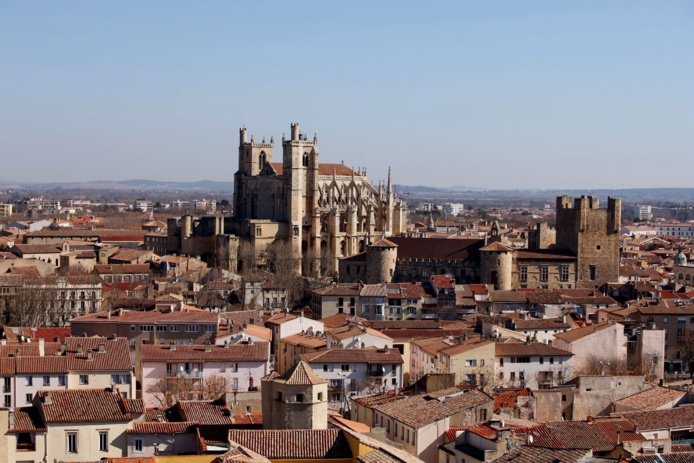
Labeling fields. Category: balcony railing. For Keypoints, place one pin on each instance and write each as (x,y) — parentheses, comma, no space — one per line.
(375,373)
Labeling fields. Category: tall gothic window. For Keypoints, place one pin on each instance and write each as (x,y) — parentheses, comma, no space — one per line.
(305,162)
(261,159)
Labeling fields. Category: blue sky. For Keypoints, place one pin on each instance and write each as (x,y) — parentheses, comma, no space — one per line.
(494,94)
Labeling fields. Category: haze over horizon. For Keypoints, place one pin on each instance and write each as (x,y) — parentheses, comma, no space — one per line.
(494,95)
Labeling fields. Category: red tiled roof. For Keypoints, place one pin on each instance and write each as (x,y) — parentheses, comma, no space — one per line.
(27,419)
(540,254)
(579,333)
(81,405)
(40,365)
(149,316)
(509,398)
(508,296)
(434,248)
(255,352)
(153,427)
(366,355)
(207,413)
(297,444)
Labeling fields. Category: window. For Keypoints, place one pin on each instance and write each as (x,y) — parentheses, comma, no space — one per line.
(523,273)
(665,319)
(471,363)
(279,396)
(30,381)
(551,360)
(544,273)
(28,398)
(593,272)
(46,380)
(103,441)
(210,328)
(84,379)
(138,445)
(175,328)
(542,360)
(564,273)
(147,328)
(8,401)
(320,396)
(513,376)
(132,327)
(325,367)
(345,367)
(161,328)
(191,328)
(299,398)
(521,360)
(501,362)
(72,442)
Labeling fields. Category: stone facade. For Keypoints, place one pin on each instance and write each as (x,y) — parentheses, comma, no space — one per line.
(592,235)
(322,211)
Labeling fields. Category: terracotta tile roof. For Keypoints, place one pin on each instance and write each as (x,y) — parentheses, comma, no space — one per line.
(41,365)
(664,307)
(682,448)
(540,324)
(508,296)
(297,444)
(526,454)
(337,320)
(240,454)
(122,268)
(376,290)
(651,399)
(366,355)
(207,413)
(81,405)
(7,366)
(116,355)
(580,333)
(544,297)
(496,247)
(12,333)
(301,374)
(509,399)
(619,430)
(378,456)
(255,352)
(424,333)
(347,332)
(534,349)
(50,248)
(153,427)
(580,434)
(280,318)
(27,419)
(541,254)
(435,248)
(541,435)
(442,282)
(251,317)
(418,411)
(405,324)
(306,340)
(338,290)
(664,458)
(467,345)
(682,416)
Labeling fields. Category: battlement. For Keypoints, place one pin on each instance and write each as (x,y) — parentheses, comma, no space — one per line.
(584,202)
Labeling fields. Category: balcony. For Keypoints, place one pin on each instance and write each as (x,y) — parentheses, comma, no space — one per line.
(189,374)
(375,373)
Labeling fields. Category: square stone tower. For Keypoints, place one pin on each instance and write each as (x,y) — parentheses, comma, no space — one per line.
(592,234)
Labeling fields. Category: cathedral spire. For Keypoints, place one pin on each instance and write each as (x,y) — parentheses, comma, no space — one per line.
(390,185)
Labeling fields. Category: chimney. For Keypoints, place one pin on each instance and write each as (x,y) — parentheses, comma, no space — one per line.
(11,418)
(385,349)
(245,325)
(42,347)
(172,345)
(80,349)
(18,352)
(90,354)
(208,347)
(47,397)
(102,347)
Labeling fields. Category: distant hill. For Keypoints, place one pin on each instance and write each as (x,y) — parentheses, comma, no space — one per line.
(135,184)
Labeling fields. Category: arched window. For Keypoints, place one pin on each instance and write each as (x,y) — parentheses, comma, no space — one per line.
(689,277)
(681,276)
(261,159)
(305,161)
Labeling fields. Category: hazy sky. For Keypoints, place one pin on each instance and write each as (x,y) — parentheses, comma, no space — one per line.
(514,94)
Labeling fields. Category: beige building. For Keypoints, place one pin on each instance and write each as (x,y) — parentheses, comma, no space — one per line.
(601,342)
(84,425)
(291,348)
(5,210)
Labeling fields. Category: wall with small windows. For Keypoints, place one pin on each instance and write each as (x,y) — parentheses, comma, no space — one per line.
(547,274)
(83,441)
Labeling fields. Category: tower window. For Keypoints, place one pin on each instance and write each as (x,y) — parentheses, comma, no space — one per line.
(305,160)
(598,247)
(593,272)
(523,273)
(564,273)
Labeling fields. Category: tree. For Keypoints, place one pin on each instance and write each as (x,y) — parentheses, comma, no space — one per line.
(282,266)
(168,390)
(248,259)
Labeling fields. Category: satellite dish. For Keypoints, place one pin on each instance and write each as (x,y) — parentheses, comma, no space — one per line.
(530,439)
